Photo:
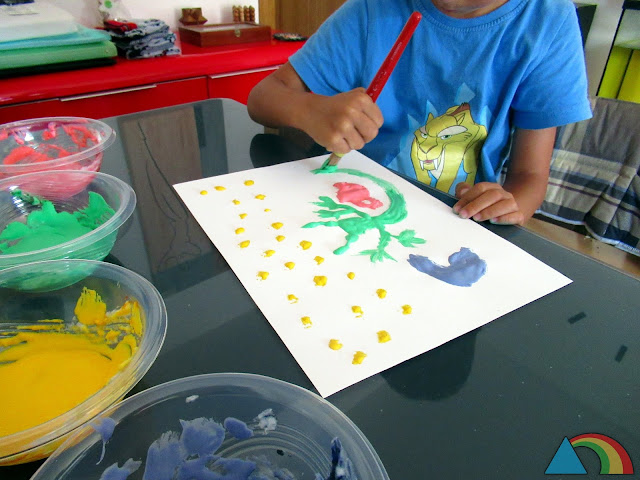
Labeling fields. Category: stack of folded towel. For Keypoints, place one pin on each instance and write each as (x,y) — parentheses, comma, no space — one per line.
(142,38)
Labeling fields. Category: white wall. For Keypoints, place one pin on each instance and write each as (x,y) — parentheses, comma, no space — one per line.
(219,11)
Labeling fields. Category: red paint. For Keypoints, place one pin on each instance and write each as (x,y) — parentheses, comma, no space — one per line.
(356,195)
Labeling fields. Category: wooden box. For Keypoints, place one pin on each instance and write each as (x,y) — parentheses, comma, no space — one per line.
(224,34)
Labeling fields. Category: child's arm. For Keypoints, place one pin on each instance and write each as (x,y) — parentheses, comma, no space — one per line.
(340,123)
(524,187)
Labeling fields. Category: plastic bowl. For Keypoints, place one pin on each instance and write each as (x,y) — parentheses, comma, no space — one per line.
(23,309)
(300,443)
(16,204)
(53,143)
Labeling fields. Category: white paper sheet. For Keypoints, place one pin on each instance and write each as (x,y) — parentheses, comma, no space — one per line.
(439,311)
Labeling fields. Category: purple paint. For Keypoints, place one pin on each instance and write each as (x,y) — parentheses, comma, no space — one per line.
(104,427)
(237,428)
(120,473)
(465,268)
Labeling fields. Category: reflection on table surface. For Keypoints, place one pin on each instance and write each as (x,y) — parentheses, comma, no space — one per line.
(494,403)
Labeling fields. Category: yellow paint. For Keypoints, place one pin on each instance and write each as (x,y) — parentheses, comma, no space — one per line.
(51,368)
(263,275)
(292,298)
(244,244)
(406,309)
(267,209)
(269,253)
(351,275)
(248,183)
(381,292)
(261,196)
(306,321)
(357,310)
(236,202)
(335,344)
(280,238)
(319,259)
(358,357)
(239,231)
(203,192)
(277,225)
(320,280)
(243,215)
(306,245)
(290,265)
(219,188)
(383,336)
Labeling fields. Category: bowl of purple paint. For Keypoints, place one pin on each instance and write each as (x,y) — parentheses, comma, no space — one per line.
(220,425)
(53,143)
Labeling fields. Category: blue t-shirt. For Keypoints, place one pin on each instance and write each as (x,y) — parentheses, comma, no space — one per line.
(461,85)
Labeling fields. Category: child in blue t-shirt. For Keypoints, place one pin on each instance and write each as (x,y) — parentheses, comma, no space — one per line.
(481,83)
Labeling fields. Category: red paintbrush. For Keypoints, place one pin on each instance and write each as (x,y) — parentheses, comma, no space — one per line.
(378,82)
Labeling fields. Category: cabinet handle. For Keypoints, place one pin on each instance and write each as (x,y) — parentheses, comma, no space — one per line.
(245,72)
(108,92)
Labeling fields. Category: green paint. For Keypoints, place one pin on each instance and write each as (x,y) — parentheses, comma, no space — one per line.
(355,223)
(46,227)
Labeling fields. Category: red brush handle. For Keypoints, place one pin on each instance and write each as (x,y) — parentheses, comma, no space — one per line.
(378,82)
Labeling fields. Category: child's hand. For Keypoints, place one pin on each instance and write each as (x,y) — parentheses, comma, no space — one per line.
(487,201)
(343,122)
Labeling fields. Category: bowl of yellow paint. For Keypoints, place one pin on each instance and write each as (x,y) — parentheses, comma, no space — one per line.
(219,425)
(53,143)
(39,221)
(67,355)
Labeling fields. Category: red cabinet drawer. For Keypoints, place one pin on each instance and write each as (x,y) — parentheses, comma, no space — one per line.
(237,85)
(112,102)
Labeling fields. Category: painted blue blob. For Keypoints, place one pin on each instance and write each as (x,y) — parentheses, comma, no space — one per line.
(164,456)
(104,427)
(114,472)
(201,436)
(197,468)
(341,466)
(233,468)
(237,428)
(465,268)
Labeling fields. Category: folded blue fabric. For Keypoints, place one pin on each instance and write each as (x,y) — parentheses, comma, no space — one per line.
(82,36)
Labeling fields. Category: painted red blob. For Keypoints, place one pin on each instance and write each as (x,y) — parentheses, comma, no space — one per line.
(357,195)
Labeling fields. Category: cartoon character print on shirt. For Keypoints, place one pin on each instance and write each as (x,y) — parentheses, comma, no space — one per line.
(444,144)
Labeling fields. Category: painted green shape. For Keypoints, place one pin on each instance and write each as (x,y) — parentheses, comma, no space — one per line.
(355,223)
(605,465)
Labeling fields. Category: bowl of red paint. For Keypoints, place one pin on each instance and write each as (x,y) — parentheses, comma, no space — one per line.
(53,143)
(68,354)
(40,221)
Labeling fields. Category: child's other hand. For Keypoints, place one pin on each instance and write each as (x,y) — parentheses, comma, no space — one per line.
(487,201)
(343,122)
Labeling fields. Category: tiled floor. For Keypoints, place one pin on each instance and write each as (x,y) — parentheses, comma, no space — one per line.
(608,254)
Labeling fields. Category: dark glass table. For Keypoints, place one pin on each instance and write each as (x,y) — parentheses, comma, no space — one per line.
(495,403)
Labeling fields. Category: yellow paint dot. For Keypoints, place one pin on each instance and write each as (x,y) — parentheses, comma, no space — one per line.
(248,183)
(290,265)
(236,202)
(358,357)
(261,196)
(244,244)
(203,192)
(320,280)
(267,209)
(351,275)
(383,336)
(269,253)
(219,188)
(319,260)
(306,321)
(381,292)
(335,344)
(306,245)
(357,310)
(263,275)
(406,309)
(292,298)
(280,238)
(243,215)
(239,231)
(277,225)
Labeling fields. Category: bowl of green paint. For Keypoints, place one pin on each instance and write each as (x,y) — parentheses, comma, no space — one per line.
(53,143)
(40,221)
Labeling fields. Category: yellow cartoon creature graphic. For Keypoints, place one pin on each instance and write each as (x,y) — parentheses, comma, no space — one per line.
(445,142)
